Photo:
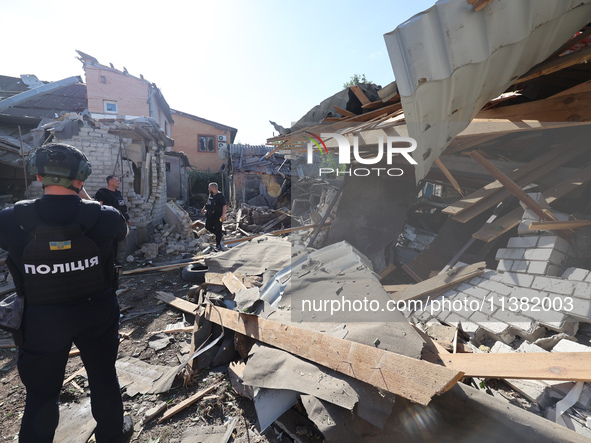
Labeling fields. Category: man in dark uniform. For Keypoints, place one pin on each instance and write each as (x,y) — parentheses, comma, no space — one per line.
(215,213)
(111,196)
(60,254)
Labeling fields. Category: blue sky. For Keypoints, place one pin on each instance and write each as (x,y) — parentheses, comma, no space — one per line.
(240,63)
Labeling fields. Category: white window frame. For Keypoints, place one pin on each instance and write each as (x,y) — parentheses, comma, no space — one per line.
(109,102)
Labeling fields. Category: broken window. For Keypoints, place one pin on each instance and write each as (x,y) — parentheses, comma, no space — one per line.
(207,143)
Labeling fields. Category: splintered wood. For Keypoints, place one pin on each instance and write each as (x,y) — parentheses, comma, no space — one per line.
(413,379)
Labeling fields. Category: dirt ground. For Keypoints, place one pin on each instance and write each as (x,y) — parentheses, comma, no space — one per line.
(216,409)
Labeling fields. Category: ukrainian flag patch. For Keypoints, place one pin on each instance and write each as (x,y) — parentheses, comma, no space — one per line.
(60,245)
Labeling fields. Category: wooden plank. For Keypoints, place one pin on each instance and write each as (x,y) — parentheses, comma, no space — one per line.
(470,200)
(513,218)
(501,195)
(567,366)
(280,232)
(396,288)
(568,106)
(410,378)
(449,176)
(360,94)
(559,225)
(512,187)
(556,64)
(188,402)
(232,282)
(7,344)
(179,303)
(439,282)
(387,271)
(343,112)
(569,44)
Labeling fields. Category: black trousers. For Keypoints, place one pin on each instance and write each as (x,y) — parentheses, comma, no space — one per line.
(48,332)
(214,225)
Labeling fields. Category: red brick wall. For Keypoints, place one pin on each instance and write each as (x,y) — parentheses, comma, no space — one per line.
(131,94)
(185,133)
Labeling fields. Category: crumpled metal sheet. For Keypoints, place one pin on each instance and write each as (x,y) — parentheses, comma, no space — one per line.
(449,61)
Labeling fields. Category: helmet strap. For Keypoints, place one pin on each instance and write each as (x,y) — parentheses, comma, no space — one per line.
(52,180)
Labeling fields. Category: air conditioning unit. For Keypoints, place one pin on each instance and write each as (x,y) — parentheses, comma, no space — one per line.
(221,138)
(221,145)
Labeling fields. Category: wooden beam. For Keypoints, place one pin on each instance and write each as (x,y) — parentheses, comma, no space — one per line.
(567,366)
(343,112)
(497,197)
(188,402)
(570,43)
(568,106)
(179,303)
(512,186)
(559,225)
(387,271)
(513,218)
(449,176)
(556,64)
(439,282)
(413,379)
(495,186)
(396,288)
(232,283)
(360,94)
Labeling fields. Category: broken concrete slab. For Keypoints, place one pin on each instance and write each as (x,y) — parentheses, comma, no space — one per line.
(76,422)
(159,341)
(137,376)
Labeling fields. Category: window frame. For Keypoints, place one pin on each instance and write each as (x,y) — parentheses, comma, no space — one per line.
(110,102)
(207,138)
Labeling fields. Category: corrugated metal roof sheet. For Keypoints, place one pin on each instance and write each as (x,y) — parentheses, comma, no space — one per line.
(449,61)
(71,98)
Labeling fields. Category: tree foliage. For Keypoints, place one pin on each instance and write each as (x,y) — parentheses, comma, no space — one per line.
(357,79)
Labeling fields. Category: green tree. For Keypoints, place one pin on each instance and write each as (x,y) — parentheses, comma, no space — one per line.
(356,79)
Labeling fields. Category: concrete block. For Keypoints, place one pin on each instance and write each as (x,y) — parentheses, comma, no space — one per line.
(476,292)
(555,321)
(500,347)
(537,267)
(530,347)
(554,242)
(497,287)
(582,290)
(511,254)
(570,346)
(551,255)
(519,266)
(504,265)
(577,274)
(463,287)
(554,271)
(522,242)
(578,308)
(522,326)
(516,279)
(493,328)
(555,285)
(588,279)
(475,281)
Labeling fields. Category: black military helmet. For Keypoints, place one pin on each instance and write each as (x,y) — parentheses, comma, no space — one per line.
(59,160)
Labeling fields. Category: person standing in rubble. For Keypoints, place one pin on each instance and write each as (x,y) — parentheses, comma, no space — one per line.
(111,196)
(215,213)
(60,254)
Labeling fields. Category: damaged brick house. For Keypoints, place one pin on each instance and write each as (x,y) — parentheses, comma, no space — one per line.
(121,122)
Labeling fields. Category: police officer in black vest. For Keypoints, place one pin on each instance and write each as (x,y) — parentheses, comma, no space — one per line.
(60,254)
